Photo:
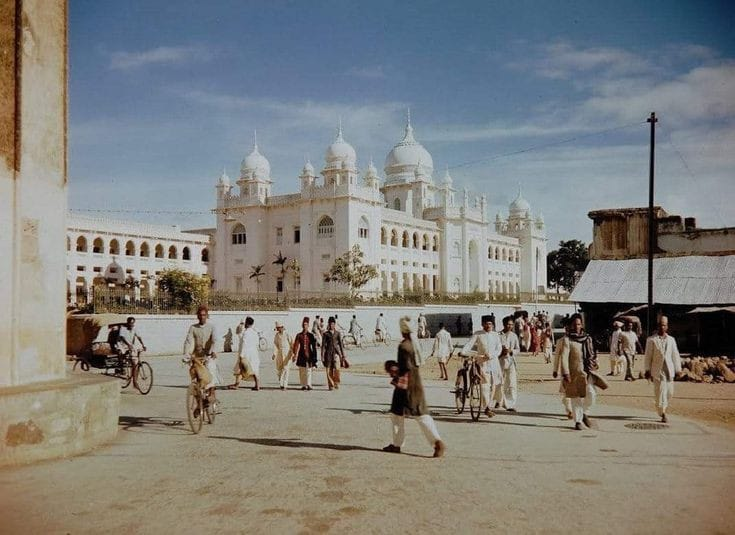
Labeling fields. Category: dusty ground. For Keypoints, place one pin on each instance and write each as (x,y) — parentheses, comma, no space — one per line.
(711,403)
(311,462)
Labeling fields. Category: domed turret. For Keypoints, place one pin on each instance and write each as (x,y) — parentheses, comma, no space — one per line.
(307,175)
(255,165)
(519,207)
(447,180)
(340,153)
(223,180)
(308,169)
(403,159)
(372,179)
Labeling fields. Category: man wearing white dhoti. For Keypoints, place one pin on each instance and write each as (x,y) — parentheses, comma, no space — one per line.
(507,395)
(488,349)
(248,355)
(442,350)
(662,364)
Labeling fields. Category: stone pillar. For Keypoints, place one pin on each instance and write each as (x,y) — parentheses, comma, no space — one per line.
(42,413)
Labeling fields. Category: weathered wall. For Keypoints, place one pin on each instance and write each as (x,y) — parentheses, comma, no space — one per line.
(164,334)
(32,190)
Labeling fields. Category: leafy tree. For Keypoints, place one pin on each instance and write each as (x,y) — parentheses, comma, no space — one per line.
(256,272)
(185,288)
(564,262)
(350,270)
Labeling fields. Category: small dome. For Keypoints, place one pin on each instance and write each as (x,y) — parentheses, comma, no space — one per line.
(224,180)
(372,171)
(308,169)
(447,180)
(340,152)
(255,164)
(520,207)
(407,154)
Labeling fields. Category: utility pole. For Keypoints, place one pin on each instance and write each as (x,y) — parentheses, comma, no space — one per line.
(651,228)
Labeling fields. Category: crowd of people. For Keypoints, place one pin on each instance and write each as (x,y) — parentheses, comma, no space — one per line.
(574,362)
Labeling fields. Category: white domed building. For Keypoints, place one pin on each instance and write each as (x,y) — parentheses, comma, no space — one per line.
(415,232)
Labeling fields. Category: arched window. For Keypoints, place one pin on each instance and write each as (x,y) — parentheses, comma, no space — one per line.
(383,236)
(405,238)
(396,203)
(81,244)
(159,251)
(435,246)
(497,253)
(415,240)
(504,256)
(98,246)
(172,253)
(394,238)
(325,229)
(130,248)
(239,236)
(186,254)
(205,255)
(425,242)
(457,249)
(68,243)
(145,250)
(114,247)
(363,228)
(490,253)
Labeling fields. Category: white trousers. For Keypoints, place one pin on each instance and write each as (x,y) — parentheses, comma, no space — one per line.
(426,423)
(488,392)
(663,390)
(507,393)
(580,406)
(305,375)
(282,369)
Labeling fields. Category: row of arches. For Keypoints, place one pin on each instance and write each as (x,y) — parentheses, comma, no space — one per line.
(503,254)
(409,241)
(144,251)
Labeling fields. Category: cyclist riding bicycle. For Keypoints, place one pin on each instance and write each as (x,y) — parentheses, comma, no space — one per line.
(198,348)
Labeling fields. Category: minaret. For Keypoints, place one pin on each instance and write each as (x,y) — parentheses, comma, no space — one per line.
(223,186)
(307,175)
(372,180)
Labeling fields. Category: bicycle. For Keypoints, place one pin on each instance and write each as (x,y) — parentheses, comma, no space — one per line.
(199,405)
(468,386)
(351,340)
(128,367)
(384,338)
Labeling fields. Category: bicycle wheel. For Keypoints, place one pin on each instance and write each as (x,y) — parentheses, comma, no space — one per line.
(127,374)
(143,377)
(194,408)
(386,338)
(262,344)
(459,399)
(475,400)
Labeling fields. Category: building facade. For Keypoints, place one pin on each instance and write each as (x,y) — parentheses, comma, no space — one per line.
(423,235)
(107,251)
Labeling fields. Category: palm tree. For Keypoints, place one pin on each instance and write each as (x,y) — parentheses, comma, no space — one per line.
(255,273)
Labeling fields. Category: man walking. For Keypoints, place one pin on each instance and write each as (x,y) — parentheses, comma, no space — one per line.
(507,395)
(304,354)
(615,352)
(629,345)
(488,348)
(380,328)
(409,399)
(248,355)
(282,347)
(662,364)
(333,353)
(442,350)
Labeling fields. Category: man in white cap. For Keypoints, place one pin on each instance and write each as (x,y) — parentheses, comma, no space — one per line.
(488,349)
(615,352)
(282,345)
(507,394)
(409,399)
(662,364)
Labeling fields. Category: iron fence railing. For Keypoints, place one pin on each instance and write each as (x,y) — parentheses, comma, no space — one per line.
(133,301)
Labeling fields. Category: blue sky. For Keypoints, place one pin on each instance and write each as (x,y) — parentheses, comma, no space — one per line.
(165,94)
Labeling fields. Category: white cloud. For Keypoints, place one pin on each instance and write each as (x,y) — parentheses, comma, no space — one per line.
(162,55)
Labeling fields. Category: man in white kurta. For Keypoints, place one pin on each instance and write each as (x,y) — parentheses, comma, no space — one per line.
(488,349)
(507,395)
(248,352)
(615,352)
(662,363)
(282,346)
(628,346)
(380,328)
(442,350)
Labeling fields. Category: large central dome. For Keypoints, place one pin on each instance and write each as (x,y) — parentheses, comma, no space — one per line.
(405,157)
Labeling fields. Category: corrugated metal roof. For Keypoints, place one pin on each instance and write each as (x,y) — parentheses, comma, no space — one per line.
(681,280)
